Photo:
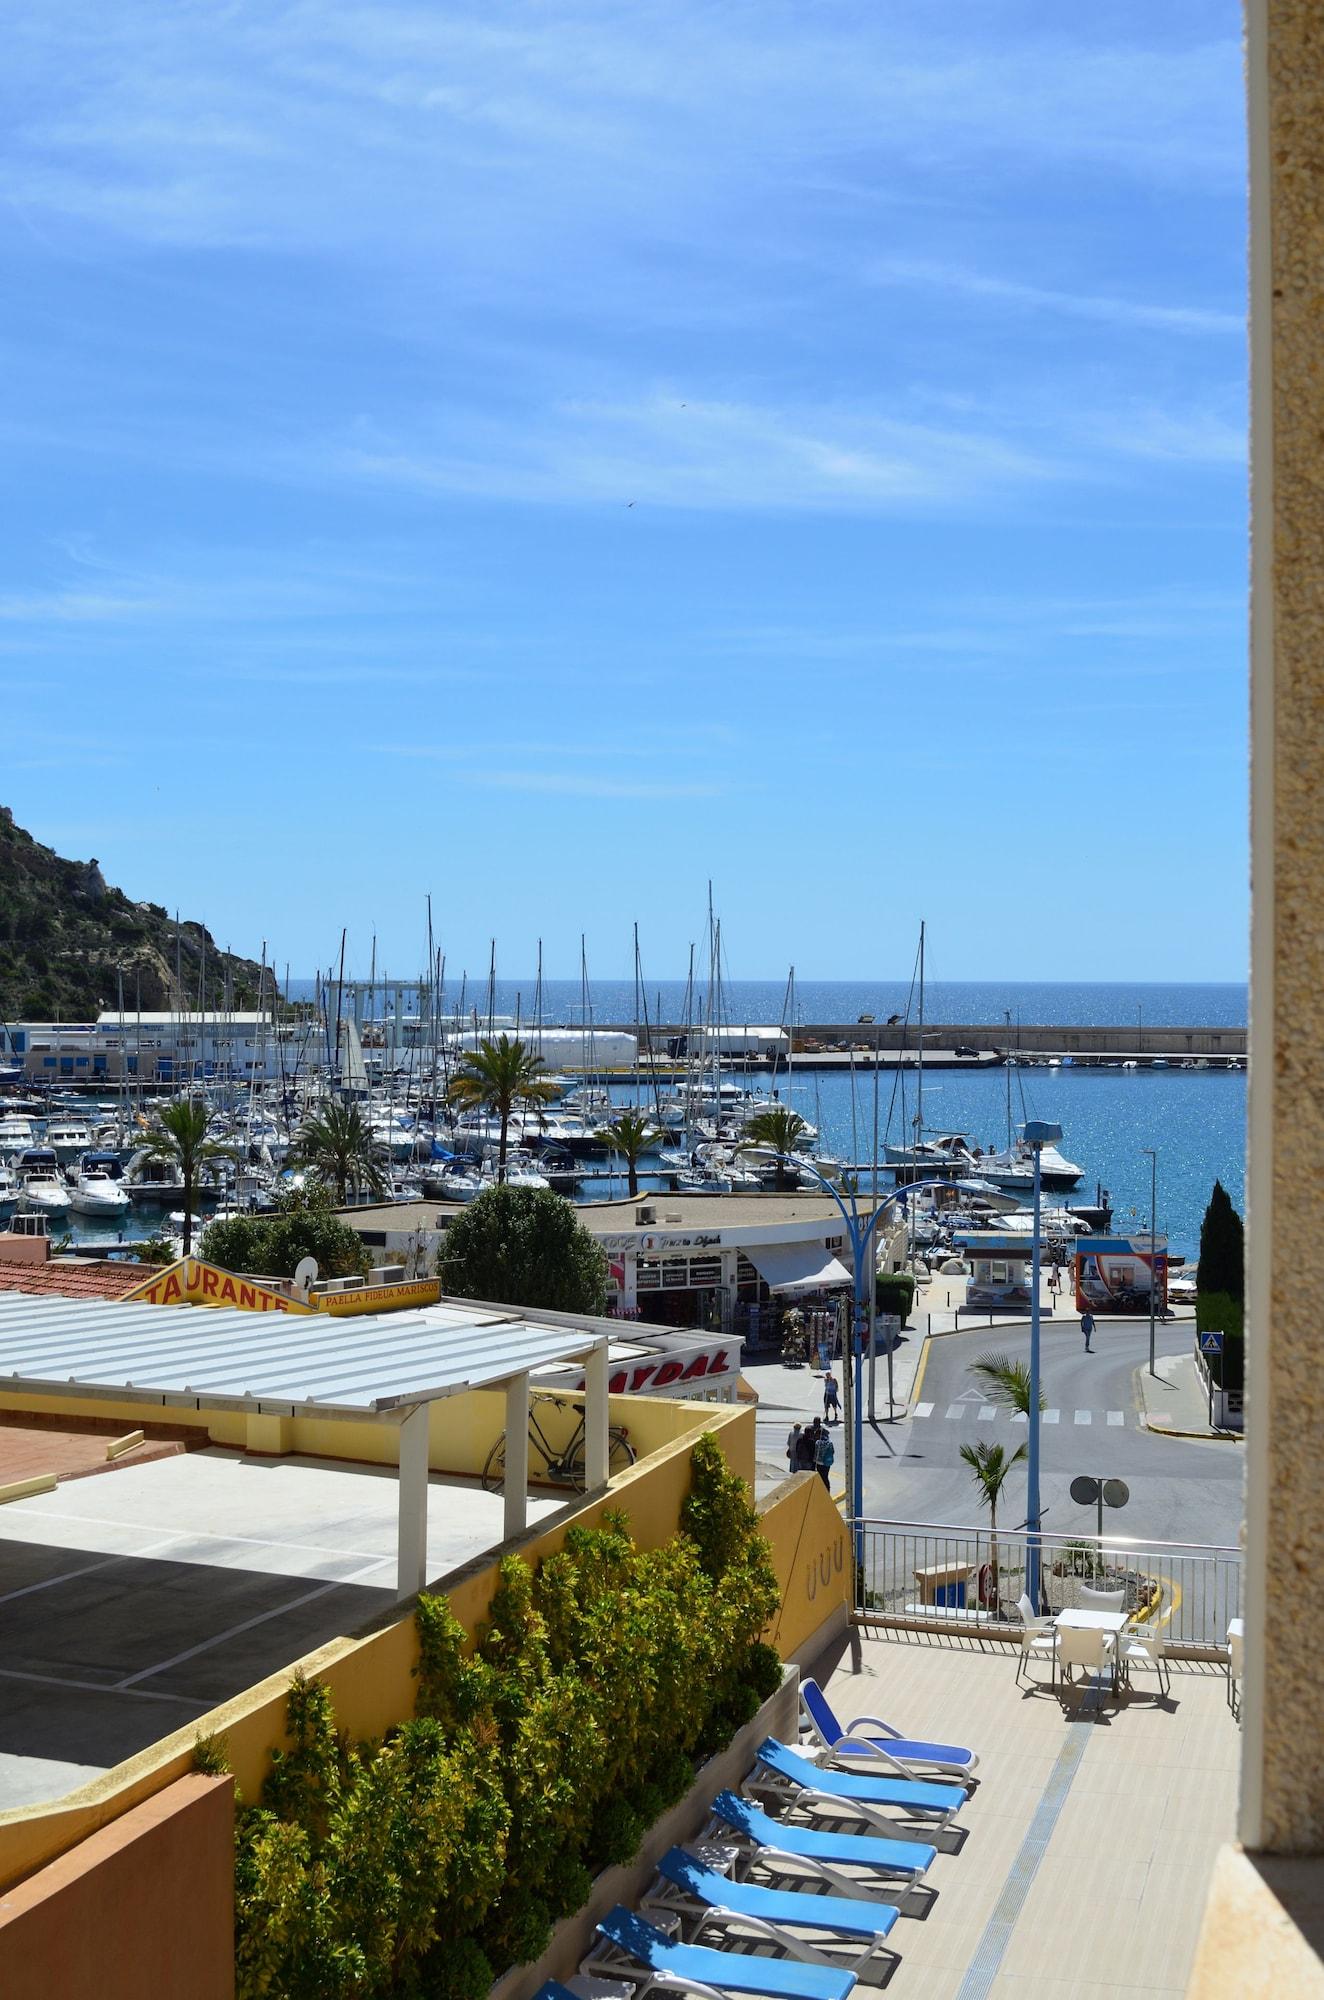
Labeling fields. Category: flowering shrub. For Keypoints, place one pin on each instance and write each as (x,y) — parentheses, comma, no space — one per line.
(425,1865)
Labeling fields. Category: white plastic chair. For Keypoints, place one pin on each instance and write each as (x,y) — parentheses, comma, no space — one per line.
(1141,1648)
(1091,1651)
(1102,1600)
(1038,1637)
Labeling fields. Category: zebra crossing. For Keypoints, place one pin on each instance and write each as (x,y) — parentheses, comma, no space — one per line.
(988,1413)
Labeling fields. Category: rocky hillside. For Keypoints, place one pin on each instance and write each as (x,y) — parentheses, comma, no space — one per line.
(66,938)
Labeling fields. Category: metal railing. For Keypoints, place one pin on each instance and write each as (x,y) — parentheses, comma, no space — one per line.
(956,1580)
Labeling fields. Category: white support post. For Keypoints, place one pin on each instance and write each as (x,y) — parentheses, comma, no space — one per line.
(412,1548)
(597,1462)
(517,1456)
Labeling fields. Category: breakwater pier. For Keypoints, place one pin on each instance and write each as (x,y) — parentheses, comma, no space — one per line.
(895,1044)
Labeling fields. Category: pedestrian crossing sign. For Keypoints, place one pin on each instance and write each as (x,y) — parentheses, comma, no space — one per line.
(1211,1343)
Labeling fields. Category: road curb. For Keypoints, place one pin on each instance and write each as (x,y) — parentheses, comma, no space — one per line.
(1200,1437)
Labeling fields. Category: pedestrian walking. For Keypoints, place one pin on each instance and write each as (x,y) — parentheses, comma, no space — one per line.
(793,1447)
(1087,1328)
(831,1397)
(824,1453)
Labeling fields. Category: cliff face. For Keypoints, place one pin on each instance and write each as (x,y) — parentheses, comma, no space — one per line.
(67,939)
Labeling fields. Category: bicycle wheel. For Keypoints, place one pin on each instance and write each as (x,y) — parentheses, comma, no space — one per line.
(620,1453)
(494,1471)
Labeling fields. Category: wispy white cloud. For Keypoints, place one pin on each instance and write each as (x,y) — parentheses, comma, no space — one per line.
(960,282)
(211,126)
(590,785)
(665,450)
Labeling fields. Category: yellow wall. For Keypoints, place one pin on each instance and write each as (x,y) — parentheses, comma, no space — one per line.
(811,1556)
(462,1429)
(371,1676)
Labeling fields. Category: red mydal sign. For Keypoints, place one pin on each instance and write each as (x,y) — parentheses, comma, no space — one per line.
(670,1374)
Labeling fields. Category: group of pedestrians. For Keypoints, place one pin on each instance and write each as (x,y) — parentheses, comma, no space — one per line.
(809,1448)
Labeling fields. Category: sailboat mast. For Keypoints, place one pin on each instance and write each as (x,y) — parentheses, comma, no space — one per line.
(919,1083)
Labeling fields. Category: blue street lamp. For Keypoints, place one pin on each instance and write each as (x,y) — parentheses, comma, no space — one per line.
(1037,1135)
(860,1233)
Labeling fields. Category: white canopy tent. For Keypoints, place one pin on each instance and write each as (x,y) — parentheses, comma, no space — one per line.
(797,1267)
(387,1367)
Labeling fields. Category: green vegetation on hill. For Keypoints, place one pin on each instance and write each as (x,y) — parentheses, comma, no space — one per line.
(66,939)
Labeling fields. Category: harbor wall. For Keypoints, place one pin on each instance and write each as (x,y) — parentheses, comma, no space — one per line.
(1128,1039)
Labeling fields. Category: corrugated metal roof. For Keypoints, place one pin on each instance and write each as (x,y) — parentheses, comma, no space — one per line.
(218,1359)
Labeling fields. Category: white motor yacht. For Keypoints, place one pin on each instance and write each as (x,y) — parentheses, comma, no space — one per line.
(9,1187)
(1013,1169)
(98,1194)
(15,1134)
(44,1193)
(68,1137)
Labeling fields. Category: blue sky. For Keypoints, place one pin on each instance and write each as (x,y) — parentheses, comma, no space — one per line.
(550,455)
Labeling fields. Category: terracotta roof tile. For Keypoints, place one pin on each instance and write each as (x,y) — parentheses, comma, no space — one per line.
(72,1281)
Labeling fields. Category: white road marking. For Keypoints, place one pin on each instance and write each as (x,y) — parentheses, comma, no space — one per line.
(1117,1416)
(1019,1417)
(1050,1416)
(987,1414)
(923,1409)
(1084,1416)
(956,1410)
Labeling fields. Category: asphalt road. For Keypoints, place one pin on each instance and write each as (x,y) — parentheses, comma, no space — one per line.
(1182,1490)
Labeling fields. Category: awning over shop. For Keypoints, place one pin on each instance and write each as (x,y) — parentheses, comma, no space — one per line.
(797,1267)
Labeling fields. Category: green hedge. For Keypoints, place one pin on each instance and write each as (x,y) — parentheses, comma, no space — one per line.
(1218,1310)
(895,1293)
(427,1864)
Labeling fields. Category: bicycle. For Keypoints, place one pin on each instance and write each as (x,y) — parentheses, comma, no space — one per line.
(568,1467)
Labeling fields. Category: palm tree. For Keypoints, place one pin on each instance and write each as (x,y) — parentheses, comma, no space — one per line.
(990,1467)
(1006,1382)
(779,1130)
(630,1136)
(499,1075)
(180,1138)
(338,1145)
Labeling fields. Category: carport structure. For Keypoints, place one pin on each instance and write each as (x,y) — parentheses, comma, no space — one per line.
(375,1369)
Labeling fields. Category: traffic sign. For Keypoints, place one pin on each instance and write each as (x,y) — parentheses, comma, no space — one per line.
(1211,1342)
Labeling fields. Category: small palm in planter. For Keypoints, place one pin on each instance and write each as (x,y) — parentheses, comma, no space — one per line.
(990,1465)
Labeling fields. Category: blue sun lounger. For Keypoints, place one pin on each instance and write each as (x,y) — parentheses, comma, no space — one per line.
(810,1850)
(637,1950)
(875,1741)
(789,1779)
(704,1898)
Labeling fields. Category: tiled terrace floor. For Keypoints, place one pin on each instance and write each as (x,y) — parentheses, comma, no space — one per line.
(1092,1835)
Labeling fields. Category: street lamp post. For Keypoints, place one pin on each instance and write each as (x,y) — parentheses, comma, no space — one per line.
(1153,1224)
(860,1234)
(1038,1134)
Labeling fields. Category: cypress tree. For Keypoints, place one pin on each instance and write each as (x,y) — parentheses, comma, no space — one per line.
(1222,1248)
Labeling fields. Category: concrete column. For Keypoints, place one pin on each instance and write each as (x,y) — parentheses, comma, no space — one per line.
(597,1460)
(516,1487)
(411,1571)
(1282,1806)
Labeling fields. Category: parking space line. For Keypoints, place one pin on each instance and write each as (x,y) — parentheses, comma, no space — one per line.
(102,1687)
(247,1625)
(195,1534)
(89,1569)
